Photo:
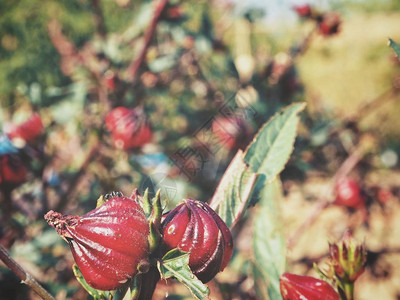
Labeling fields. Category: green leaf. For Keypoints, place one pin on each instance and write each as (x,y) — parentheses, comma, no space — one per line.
(96,294)
(395,47)
(146,203)
(176,264)
(272,146)
(268,243)
(234,191)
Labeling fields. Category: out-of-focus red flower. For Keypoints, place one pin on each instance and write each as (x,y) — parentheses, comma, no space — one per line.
(233,132)
(129,128)
(384,195)
(28,130)
(329,24)
(12,170)
(348,193)
(303,11)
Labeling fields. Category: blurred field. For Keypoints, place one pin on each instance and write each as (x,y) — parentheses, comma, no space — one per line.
(71,62)
(381,280)
(354,68)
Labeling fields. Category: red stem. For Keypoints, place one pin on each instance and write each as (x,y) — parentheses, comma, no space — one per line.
(133,68)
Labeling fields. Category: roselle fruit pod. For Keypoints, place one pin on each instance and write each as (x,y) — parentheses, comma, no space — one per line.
(28,130)
(233,132)
(297,287)
(196,228)
(303,11)
(348,258)
(129,128)
(12,170)
(348,193)
(108,243)
(329,24)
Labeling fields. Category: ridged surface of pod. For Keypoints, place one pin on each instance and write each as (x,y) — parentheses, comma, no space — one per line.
(107,243)
(194,227)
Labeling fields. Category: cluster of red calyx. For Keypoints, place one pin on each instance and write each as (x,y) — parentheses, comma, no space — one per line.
(328,23)
(129,128)
(348,193)
(297,287)
(113,241)
(27,131)
(233,132)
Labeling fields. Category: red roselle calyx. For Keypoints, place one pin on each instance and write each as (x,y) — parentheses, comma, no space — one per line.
(196,228)
(303,11)
(28,130)
(12,170)
(108,243)
(329,24)
(129,128)
(348,193)
(297,287)
(233,132)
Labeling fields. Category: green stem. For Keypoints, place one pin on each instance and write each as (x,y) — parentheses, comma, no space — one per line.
(136,287)
(23,275)
(349,291)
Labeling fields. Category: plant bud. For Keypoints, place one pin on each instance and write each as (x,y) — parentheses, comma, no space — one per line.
(297,287)
(348,258)
(194,227)
(108,243)
(129,128)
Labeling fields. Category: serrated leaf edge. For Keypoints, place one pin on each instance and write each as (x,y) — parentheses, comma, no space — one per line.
(300,108)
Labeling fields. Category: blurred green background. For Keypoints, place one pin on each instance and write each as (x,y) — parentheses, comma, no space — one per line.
(71,61)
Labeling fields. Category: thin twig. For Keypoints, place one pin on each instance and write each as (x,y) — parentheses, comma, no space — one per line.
(133,68)
(327,200)
(23,275)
